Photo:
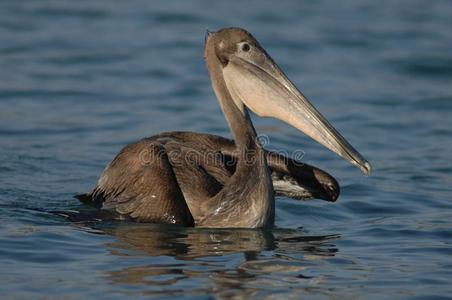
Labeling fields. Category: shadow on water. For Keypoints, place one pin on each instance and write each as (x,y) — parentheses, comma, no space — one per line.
(232,261)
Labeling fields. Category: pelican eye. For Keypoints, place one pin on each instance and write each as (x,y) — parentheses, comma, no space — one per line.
(245,47)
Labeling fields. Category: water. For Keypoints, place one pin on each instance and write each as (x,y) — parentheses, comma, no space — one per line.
(81,79)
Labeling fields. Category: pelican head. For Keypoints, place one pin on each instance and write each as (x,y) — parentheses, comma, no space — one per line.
(255,81)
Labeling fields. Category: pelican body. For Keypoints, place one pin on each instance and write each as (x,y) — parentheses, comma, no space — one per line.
(202,180)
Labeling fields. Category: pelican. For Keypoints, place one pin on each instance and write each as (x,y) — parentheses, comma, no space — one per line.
(202,180)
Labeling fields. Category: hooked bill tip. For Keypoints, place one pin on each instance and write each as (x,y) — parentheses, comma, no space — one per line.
(366,168)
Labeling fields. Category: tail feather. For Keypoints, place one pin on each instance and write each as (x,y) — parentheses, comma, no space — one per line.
(86,198)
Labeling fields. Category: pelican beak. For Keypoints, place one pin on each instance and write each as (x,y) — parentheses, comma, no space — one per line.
(257,81)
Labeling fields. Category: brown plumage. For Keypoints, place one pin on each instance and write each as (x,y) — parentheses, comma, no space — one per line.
(203,180)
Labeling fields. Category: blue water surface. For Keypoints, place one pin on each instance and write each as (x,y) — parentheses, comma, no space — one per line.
(81,79)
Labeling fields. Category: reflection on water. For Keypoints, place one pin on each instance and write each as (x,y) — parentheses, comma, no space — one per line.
(191,243)
(204,254)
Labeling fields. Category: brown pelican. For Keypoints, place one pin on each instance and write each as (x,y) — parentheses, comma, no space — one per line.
(203,180)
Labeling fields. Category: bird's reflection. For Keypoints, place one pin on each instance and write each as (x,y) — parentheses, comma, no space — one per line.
(188,243)
(228,263)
